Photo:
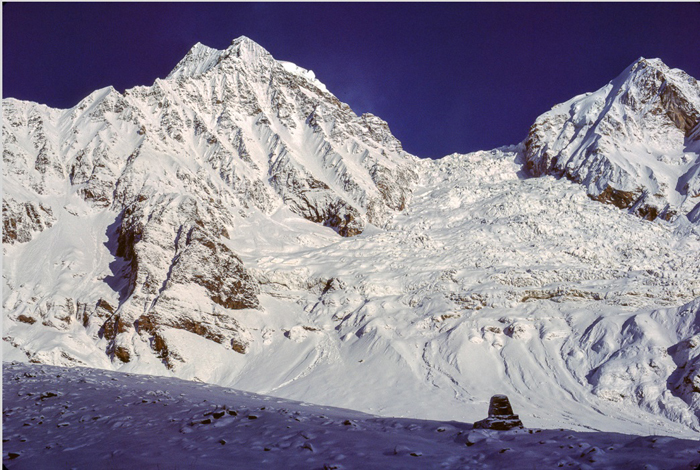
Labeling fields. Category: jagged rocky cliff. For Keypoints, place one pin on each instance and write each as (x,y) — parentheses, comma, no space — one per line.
(236,223)
(634,143)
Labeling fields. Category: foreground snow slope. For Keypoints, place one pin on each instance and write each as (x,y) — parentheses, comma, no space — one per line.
(84,418)
(236,224)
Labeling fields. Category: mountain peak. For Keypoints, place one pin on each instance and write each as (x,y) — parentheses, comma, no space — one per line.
(244,40)
(198,60)
(643,65)
(631,143)
(655,72)
(246,48)
(640,71)
(201,58)
(654,62)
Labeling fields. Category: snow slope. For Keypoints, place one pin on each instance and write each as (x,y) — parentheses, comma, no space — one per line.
(236,224)
(84,418)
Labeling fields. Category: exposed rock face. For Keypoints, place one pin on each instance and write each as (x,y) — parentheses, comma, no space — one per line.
(21,220)
(634,143)
(501,416)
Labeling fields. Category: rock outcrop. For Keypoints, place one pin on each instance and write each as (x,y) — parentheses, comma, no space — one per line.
(20,220)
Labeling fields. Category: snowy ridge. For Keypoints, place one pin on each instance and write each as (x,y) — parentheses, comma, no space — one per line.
(197,61)
(633,143)
(307,74)
(238,225)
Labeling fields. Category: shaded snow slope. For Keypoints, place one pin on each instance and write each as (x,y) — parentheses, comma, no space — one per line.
(236,224)
(84,418)
(634,143)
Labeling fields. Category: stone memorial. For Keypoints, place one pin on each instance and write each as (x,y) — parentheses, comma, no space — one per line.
(501,416)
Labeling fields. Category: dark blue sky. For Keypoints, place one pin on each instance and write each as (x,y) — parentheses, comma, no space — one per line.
(448,77)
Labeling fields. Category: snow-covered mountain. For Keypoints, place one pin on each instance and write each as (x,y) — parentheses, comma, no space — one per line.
(172,166)
(236,224)
(634,143)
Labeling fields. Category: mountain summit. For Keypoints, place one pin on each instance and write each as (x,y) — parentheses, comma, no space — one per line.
(633,143)
(200,59)
(235,223)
